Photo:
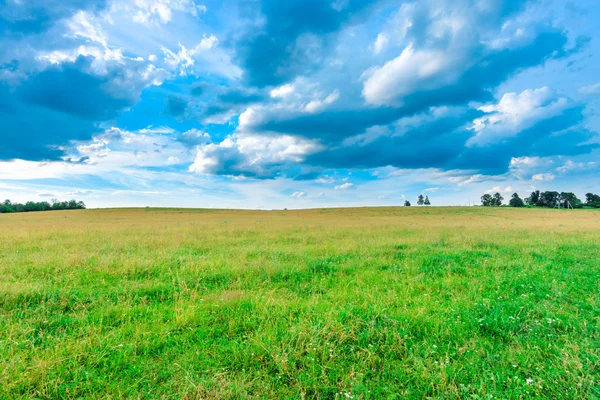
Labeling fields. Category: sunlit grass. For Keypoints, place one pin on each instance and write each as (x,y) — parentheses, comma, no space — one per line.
(368,303)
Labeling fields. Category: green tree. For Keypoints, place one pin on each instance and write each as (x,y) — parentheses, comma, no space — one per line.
(592,200)
(569,199)
(407,203)
(420,200)
(487,200)
(427,202)
(533,199)
(6,209)
(498,200)
(548,199)
(516,201)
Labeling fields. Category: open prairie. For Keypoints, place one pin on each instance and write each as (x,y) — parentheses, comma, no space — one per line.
(335,303)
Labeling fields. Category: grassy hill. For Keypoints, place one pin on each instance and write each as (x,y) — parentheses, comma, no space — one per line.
(336,303)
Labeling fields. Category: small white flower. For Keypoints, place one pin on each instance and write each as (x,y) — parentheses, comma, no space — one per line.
(529,381)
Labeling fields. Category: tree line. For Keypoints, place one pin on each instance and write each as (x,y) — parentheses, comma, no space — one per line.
(30,206)
(549,199)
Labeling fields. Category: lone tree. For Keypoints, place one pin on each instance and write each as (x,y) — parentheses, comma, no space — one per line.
(516,201)
(420,200)
(487,200)
(427,202)
(407,203)
(498,200)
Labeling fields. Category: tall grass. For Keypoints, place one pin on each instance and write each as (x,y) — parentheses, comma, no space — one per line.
(337,303)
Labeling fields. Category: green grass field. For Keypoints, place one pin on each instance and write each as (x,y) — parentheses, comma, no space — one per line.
(340,303)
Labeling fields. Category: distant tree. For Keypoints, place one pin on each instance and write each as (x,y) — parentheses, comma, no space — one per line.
(420,200)
(407,203)
(516,201)
(487,200)
(533,199)
(568,199)
(30,206)
(497,200)
(592,200)
(6,208)
(548,199)
(427,202)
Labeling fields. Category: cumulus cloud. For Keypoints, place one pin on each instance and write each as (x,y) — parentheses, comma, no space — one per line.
(515,113)
(344,186)
(282,91)
(249,155)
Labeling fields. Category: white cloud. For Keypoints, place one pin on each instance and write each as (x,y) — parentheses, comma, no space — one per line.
(591,89)
(526,167)
(115,150)
(155,12)
(205,56)
(325,179)
(298,194)
(82,26)
(380,43)
(543,177)
(344,186)
(252,155)
(318,105)
(515,113)
(471,179)
(495,189)
(412,70)
(282,91)
(569,165)
(433,189)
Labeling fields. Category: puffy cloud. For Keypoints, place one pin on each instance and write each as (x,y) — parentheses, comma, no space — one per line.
(448,56)
(249,155)
(515,113)
(282,91)
(344,186)
(194,137)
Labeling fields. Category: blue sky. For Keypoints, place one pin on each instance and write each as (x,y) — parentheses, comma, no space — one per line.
(313,103)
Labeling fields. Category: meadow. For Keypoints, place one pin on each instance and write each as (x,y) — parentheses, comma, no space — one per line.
(367,303)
